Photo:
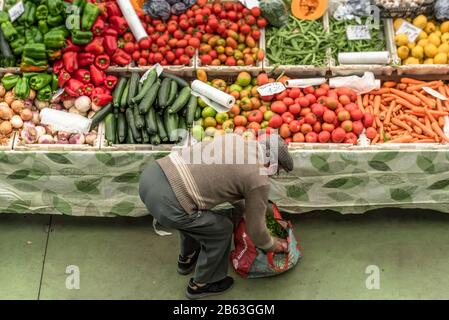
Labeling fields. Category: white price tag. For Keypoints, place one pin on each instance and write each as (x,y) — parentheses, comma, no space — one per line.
(410,30)
(250,3)
(57,94)
(271,88)
(434,93)
(158,68)
(360,32)
(16,11)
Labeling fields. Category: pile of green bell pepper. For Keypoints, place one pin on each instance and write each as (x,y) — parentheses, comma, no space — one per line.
(43,83)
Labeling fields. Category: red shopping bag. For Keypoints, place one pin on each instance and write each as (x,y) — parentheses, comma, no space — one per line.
(252,262)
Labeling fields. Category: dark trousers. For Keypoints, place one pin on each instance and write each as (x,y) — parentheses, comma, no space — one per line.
(208,231)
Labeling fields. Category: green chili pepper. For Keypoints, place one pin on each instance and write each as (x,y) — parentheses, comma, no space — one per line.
(54,82)
(22,88)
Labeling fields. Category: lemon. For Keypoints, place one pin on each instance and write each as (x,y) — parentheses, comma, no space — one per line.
(430,27)
(423,42)
(434,39)
(444,27)
(420,21)
(411,60)
(445,37)
(440,58)
(403,52)
(422,35)
(411,45)
(397,23)
(418,52)
(401,40)
(428,61)
(444,48)
(430,50)
(438,33)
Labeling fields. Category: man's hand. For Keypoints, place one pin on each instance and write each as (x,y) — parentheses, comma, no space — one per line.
(280,245)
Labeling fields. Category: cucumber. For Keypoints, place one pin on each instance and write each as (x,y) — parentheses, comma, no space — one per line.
(118,92)
(149,81)
(171,121)
(182,128)
(139,120)
(173,92)
(191,110)
(161,129)
(150,121)
(100,115)
(122,127)
(145,136)
(129,136)
(149,98)
(133,86)
(124,98)
(181,100)
(181,82)
(164,92)
(110,128)
(155,139)
(198,113)
(132,125)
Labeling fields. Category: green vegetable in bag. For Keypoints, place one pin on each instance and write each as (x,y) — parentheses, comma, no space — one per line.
(275,11)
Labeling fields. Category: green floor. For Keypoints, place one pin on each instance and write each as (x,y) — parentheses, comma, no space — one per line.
(124,259)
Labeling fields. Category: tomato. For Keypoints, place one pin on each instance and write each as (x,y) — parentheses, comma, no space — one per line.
(142,62)
(163,50)
(199,19)
(232,15)
(261,23)
(158,57)
(206,59)
(190,13)
(145,53)
(179,52)
(182,43)
(185,60)
(150,30)
(256,12)
(178,34)
(170,56)
(213,23)
(184,24)
(135,55)
(250,20)
(144,44)
(161,27)
(216,8)
(154,48)
(172,42)
(194,42)
(129,47)
(190,51)
(161,42)
(245,29)
(190,31)
(128,37)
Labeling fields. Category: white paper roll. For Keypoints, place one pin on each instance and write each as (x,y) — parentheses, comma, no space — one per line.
(133,20)
(377,57)
(65,121)
(304,83)
(221,101)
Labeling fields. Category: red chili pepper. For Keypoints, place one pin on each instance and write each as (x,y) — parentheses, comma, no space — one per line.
(95,46)
(74,87)
(110,82)
(102,61)
(58,66)
(110,32)
(88,89)
(113,9)
(110,44)
(98,90)
(85,59)
(82,75)
(96,75)
(101,99)
(63,77)
(98,27)
(119,24)
(70,59)
(121,58)
(71,47)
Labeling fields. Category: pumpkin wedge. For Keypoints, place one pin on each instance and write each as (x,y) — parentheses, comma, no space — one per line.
(309,9)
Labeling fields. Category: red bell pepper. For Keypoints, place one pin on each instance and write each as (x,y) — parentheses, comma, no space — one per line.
(121,58)
(98,90)
(85,59)
(95,46)
(63,77)
(98,27)
(71,47)
(110,32)
(103,10)
(119,24)
(82,75)
(110,44)
(113,9)
(110,82)
(70,59)
(88,89)
(96,75)
(74,87)
(102,61)
(58,66)
(101,99)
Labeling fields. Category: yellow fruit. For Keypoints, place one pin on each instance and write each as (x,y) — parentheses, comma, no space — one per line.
(411,60)
(428,61)
(430,27)
(423,42)
(422,35)
(420,21)
(434,39)
(418,52)
(430,50)
(438,33)
(397,23)
(444,48)
(440,58)
(401,40)
(411,45)
(444,27)
(445,37)
(403,52)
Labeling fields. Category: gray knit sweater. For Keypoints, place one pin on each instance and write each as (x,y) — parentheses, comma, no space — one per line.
(227,169)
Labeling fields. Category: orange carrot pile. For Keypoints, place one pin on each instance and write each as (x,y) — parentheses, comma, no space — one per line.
(405,113)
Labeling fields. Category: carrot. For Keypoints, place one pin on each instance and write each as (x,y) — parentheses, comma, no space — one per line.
(440,132)
(376,139)
(409,97)
(401,124)
(420,136)
(424,129)
(380,91)
(426,101)
(390,110)
(441,121)
(405,103)
(402,139)
(360,103)
(425,140)
(429,115)
(365,100)
(411,81)
(417,87)
(390,84)
(402,86)
(420,112)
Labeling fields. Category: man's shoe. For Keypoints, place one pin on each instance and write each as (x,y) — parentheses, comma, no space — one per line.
(187,264)
(211,289)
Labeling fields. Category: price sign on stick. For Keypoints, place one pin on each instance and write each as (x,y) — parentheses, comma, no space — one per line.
(271,88)
(360,32)
(16,11)
(410,30)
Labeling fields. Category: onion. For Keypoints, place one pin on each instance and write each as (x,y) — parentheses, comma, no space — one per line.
(26,114)
(29,135)
(82,104)
(91,137)
(28,124)
(32,94)
(5,128)
(77,138)
(17,106)
(36,119)
(40,131)
(16,122)
(63,135)
(56,106)
(9,97)
(2,90)
(28,103)
(6,113)
(46,139)
(95,108)
(41,104)
(69,103)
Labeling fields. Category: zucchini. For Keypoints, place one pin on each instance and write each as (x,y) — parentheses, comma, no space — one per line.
(198,113)
(145,136)
(124,98)
(182,128)
(164,92)
(160,128)
(8,59)
(100,115)
(129,136)
(181,100)
(132,125)
(155,139)
(110,128)
(171,121)
(191,111)
(149,99)
(139,120)
(150,121)
(181,82)
(133,87)
(121,127)
(173,92)
(118,92)
(149,81)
